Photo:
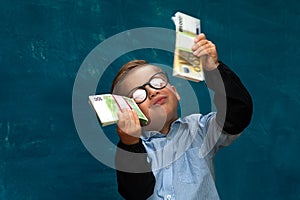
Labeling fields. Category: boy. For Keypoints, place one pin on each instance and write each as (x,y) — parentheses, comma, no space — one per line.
(172,157)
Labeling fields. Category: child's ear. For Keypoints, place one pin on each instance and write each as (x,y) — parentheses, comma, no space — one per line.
(175,92)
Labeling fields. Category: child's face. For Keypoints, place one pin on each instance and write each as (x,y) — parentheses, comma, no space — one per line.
(160,105)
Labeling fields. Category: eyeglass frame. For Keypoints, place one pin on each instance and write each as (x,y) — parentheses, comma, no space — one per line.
(148,83)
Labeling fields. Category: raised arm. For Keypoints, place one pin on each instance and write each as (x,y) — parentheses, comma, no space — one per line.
(233,102)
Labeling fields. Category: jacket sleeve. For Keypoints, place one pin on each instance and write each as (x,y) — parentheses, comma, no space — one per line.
(134,176)
(231,98)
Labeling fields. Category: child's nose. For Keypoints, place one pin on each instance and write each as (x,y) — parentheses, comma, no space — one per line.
(151,91)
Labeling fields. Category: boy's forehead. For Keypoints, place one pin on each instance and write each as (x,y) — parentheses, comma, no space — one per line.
(135,78)
(141,73)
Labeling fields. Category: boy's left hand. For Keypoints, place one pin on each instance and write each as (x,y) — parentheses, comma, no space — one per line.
(207,50)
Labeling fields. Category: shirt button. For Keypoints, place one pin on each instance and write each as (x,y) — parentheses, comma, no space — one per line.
(168,197)
(168,166)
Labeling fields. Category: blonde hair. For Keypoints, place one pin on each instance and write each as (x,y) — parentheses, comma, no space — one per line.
(125,69)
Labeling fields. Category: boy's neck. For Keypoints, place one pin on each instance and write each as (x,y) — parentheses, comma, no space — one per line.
(165,130)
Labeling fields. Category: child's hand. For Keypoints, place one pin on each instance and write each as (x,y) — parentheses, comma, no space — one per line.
(129,128)
(207,50)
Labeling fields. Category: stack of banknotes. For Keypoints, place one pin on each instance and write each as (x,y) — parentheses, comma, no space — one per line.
(186,65)
(108,105)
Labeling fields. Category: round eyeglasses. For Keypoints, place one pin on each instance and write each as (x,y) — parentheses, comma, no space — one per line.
(158,81)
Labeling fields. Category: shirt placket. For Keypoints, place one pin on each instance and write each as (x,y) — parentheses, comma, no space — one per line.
(168,172)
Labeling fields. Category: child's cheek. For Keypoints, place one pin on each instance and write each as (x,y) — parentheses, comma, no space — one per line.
(144,109)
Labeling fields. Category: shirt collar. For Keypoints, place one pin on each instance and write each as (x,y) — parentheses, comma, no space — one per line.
(148,135)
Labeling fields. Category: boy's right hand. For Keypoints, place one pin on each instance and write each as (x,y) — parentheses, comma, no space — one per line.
(129,128)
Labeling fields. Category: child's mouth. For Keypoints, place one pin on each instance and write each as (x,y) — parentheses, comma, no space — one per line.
(160,101)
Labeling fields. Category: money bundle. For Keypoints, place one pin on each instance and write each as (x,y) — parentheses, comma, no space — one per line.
(186,64)
(108,105)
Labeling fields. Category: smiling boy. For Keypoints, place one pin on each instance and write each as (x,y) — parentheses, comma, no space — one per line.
(178,152)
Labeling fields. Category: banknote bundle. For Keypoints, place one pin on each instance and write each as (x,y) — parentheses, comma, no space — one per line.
(186,65)
(108,105)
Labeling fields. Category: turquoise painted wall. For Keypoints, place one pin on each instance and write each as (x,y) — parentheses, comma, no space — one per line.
(43,44)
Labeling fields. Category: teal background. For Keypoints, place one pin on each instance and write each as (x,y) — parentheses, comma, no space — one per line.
(43,43)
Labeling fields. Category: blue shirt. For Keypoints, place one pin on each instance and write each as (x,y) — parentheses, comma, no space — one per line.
(182,160)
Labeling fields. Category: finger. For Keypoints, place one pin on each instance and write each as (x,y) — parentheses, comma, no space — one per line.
(128,118)
(206,49)
(123,116)
(199,44)
(199,37)
(127,123)
(135,118)
(121,121)
(207,52)
(130,115)
(134,124)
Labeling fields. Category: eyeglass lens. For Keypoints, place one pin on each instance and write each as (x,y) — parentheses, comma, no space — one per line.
(158,81)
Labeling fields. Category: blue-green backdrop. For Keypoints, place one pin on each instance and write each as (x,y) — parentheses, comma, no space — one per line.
(44,42)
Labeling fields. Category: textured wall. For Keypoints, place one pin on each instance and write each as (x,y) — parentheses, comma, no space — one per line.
(44,42)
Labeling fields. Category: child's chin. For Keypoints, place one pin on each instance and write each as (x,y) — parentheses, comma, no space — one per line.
(157,119)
